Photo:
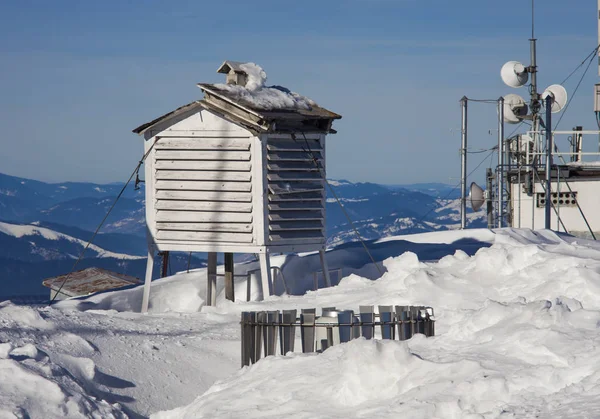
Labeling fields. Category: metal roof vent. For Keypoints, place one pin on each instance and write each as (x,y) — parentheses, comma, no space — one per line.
(235,74)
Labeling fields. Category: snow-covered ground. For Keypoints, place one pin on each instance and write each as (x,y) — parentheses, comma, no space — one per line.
(516,336)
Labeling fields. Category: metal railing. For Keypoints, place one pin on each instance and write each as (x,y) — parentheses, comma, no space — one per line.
(317,333)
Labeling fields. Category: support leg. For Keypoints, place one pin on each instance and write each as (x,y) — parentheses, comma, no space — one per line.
(149,267)
(265,274)
(164,271)
(229,288)
(211,279)
(325,268)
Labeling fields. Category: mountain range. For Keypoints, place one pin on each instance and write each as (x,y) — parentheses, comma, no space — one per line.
(45,226)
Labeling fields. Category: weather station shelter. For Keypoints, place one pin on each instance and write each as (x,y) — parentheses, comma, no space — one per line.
(240,171)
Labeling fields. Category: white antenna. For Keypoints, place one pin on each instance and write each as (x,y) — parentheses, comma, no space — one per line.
(514,74)
(515,108)
(558,95)
(476,196)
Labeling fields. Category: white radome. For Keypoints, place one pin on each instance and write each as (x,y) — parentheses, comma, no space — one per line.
(514,74)
(515,108)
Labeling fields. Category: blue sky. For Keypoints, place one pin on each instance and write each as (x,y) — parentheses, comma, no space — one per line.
(77,76)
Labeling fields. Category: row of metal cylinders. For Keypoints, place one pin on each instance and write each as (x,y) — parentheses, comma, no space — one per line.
(317,333)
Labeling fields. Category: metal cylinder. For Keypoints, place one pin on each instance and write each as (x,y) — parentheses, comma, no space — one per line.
(463,164)
(549,147)
(500,180)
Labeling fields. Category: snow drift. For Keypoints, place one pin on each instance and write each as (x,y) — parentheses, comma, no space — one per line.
(516,336)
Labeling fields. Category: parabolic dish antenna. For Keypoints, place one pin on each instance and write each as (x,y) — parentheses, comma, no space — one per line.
(476,196)
(514,74)
(559,96)
(515,108)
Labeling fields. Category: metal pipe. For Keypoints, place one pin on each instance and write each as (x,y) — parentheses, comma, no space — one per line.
(463,164)
(500,181)
(489,202)
(549,146)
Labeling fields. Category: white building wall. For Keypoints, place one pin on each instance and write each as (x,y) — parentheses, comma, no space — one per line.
(527,213)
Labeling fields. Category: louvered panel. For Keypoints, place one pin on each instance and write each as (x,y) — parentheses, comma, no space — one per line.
(276,144)
(296,215)
(202,217)
(296,192)
(203,190)
(295,156)
(199,188)
(204,237)
(278,190)
(296,225)
(203,155)
(203,143)
(294,176)
(276,207)
(209,165)
(295,238)
(204,196)
(203,175)
(295,166)
(207,227)
(203,206)
(310,196)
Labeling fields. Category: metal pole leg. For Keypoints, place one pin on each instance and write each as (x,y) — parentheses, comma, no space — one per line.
(149,267)
(265,274)
(325,268)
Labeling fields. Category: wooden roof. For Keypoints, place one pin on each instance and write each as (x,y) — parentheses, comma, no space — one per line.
(224,103)
(89,280)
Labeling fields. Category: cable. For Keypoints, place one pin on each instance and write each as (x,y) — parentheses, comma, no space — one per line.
(322,171)
(581,64)
(575,91)
(102,222)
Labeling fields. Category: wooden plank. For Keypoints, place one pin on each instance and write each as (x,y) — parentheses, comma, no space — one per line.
(296,215)
(216,165)
(295,206)
(204,186)
(203,175)
(294,156)
(202,217)
(291,145)
(203,143)
(203,206)
(202,155)
(294,177)
(207,227)
(293,167)
(310,196)
(287,238)
(204,196)
(296,226)
(283,189)
(229,272)
(204,237)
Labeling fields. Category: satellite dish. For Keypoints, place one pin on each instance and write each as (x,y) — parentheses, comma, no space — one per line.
(515,108)
(559,96)
(514,74)
(477,197)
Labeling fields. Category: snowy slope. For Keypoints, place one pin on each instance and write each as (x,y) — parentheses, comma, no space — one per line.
(517,321)
(45,242)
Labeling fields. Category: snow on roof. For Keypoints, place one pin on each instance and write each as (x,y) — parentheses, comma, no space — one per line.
(89,280)
(258,95)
